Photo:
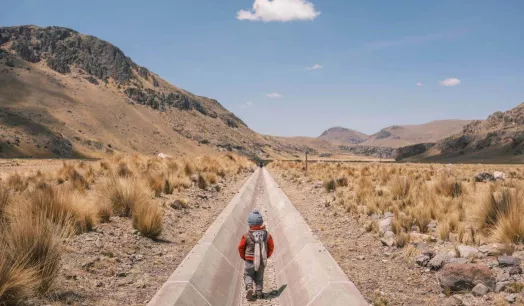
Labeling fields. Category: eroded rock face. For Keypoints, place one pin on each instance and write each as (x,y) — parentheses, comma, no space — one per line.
(408,151)
(459,277)
(62,49)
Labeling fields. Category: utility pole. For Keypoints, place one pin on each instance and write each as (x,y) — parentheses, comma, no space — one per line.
(307,150)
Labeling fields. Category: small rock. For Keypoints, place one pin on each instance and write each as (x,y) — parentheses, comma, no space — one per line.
(484,177)
(422,260)
(389,215)
(361,257)
(433,224)
(489,250)
(480,290)
(508,261)
(100,284)
(122,274)
(511,298)
(515,270)
(467,251)
(457,261)
(452,301)
(418,237)
(437,262)
(388,239)
(501,286)
(385,225)
(498,175)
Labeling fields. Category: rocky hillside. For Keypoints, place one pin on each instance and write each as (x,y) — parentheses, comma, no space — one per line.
(404,135)
(499,138)
(343,135)
(70,94)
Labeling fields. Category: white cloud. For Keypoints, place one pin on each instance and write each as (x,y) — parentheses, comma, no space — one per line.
(419,84)
(248,104)
(279,10)
(450,82)
(274,95)
(315,67)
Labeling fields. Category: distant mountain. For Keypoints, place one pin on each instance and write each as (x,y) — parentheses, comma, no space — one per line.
(499,138)
(343,135)
(404,135)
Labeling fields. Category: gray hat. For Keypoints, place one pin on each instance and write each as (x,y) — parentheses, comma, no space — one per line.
(255,218)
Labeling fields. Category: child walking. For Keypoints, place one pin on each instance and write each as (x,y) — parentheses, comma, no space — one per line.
(255,247)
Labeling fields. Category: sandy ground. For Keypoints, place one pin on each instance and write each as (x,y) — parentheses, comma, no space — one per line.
(116,265)
(270,283)
(375,270)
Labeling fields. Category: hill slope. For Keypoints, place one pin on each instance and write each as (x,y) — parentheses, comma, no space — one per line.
(69,94)
(343,135)
(499,138)
(403,135)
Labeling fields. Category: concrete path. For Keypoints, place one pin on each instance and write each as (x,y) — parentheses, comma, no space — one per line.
(305,273)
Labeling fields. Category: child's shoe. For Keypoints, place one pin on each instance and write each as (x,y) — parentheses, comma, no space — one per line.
(249,295)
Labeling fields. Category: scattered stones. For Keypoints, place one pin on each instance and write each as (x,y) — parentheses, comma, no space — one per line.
(508,261)
(480,290)
(460,277)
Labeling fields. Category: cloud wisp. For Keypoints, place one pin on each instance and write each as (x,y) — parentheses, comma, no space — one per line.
(279,10)
(420,84)
(315,67)
(248,104)
(274,95)
(450,82)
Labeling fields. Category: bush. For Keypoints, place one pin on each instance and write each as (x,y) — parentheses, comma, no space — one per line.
(16,182)
(330,185)
(148,219)
(201,182)
(124,194)
(400,187)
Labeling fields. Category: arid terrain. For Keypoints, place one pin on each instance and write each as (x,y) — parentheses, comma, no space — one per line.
(398,229)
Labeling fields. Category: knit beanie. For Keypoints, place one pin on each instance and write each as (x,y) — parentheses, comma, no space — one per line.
(254,218)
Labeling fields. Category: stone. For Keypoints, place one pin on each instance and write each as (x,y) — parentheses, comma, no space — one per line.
(452,301)
(489,250)
(460,277)
(415,237)
(501,286)
(511,298)
(422,260)
(484,177)
(385,225)
(433,224)
(437,262)
(508,261)
(122,274)
(515,270)
(457,261)
(468,251)
(389,215)
(480,290)
(498,175)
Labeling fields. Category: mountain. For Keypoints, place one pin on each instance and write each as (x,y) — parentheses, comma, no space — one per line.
(404,135)
(499,138)
(343,135)
(67,94)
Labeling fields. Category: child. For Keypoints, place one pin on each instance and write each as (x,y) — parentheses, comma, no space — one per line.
(255,247)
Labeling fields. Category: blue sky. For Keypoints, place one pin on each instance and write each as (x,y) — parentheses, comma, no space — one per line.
(370,55)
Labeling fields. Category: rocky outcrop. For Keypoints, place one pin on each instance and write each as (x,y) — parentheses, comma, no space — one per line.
(459,277)
(408,151)
(62,49)
(380,152)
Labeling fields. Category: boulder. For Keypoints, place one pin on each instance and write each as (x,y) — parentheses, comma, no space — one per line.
(484,177)
(468,251)
(508,261)
(460,277)
(388,239)
(480,290)
(437,262)
(499,175)
(385,225)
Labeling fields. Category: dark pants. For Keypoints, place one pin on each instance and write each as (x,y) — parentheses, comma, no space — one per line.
(250,276)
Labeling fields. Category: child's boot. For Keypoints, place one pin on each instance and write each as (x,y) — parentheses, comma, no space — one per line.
(260,294)
(249,294)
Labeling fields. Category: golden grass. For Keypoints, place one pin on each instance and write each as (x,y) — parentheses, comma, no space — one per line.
(419,194)
(148,219)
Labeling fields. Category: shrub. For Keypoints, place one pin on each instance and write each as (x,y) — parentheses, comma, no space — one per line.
(400,187)
(148,219)
(17,283)
(123,194)
(4,201)
(342,181)
(448,187)
(16,182)
(201,182)
(330,185)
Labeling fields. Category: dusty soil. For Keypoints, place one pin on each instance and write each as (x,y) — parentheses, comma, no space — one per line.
(378,272)
(270,282)
(115,265)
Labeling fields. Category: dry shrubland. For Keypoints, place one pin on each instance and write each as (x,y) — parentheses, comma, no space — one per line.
(420,195)
(38,211)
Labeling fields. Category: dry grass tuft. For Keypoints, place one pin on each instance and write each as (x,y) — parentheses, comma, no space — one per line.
(124,194)
(17,183)
(330,185)
(201,181)
(400,187)
(148,219)
(17,283)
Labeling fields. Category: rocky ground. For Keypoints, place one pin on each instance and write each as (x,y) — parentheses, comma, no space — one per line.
(412,275)
(115,265)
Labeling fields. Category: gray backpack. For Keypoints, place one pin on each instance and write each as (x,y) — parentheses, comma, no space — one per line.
(260,239)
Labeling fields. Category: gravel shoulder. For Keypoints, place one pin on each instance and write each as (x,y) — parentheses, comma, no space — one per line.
(379,272)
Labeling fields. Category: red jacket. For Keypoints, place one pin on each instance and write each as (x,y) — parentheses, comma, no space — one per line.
(242,244)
